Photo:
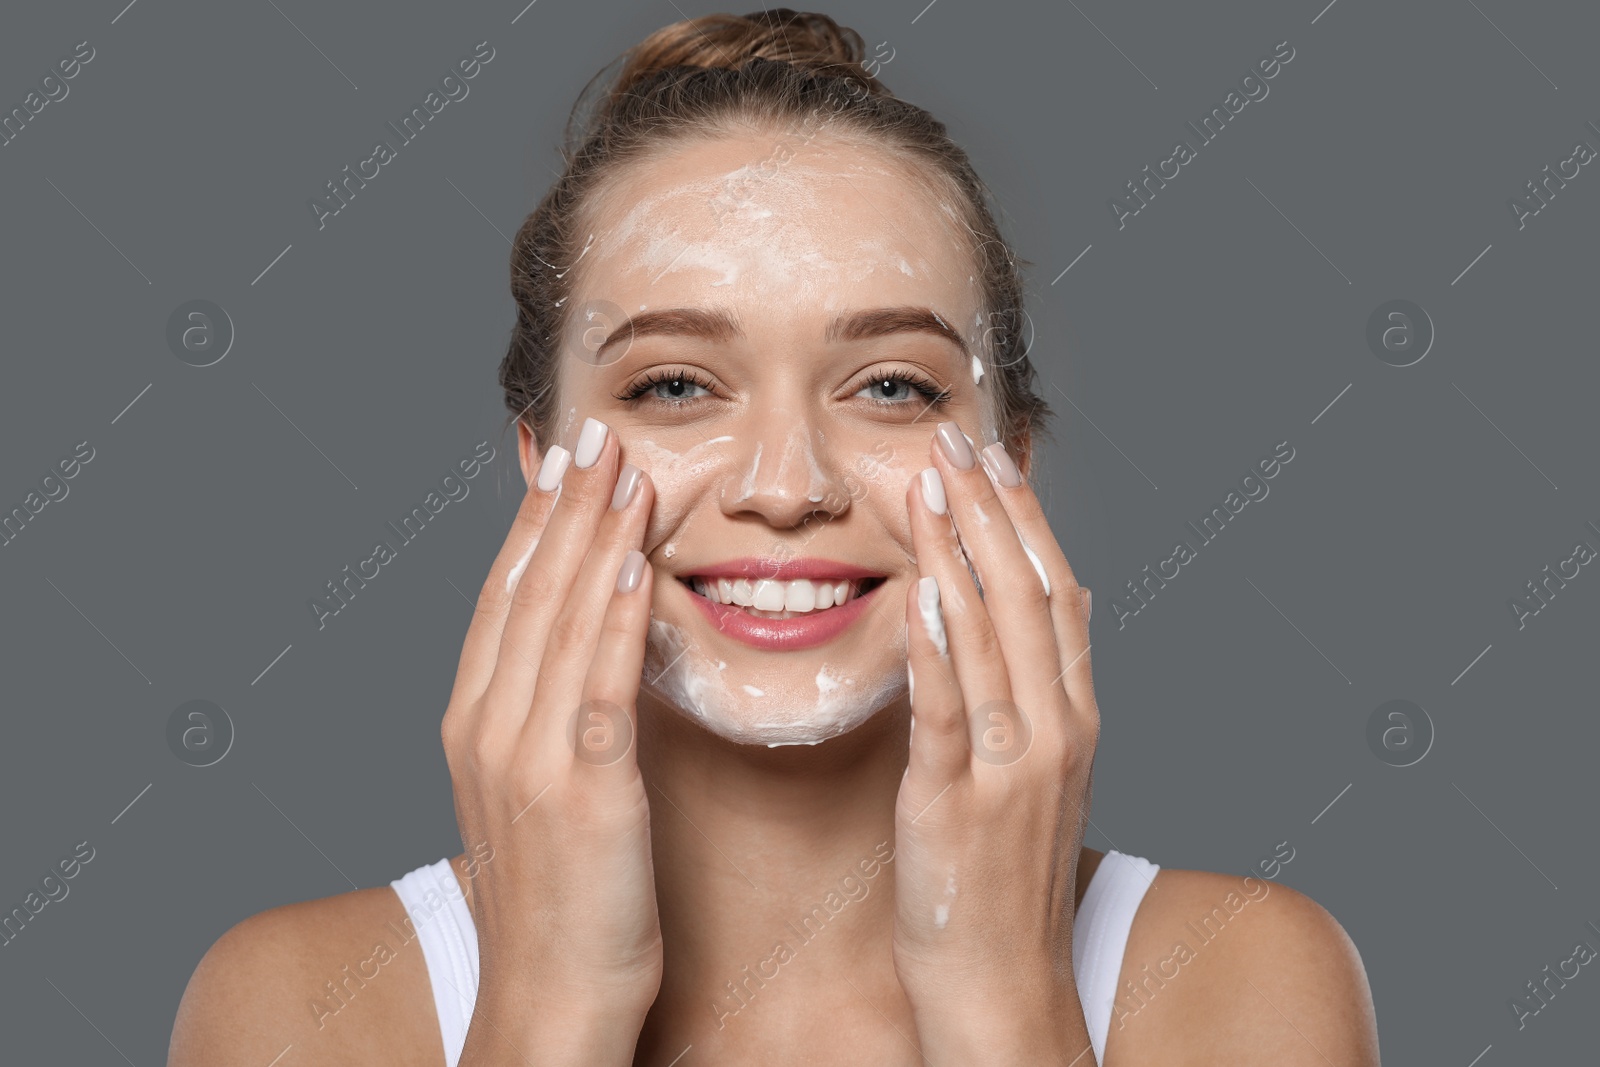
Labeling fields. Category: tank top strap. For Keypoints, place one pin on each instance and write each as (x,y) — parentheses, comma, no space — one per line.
(1100,936)
(442,922)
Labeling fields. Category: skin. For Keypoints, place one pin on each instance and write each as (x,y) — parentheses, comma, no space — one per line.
(662,870)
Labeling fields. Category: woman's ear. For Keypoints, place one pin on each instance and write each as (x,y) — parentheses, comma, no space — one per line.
(528,453)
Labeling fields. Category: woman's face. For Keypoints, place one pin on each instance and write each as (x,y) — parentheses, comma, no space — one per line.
(804,315)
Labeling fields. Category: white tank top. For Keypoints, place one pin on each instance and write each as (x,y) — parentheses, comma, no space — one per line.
(443,923)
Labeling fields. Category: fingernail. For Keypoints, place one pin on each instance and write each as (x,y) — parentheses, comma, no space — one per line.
(1000,466)
(933,490)
(627,486)
(590,441)
(954,444)
(553,467)
(632,571)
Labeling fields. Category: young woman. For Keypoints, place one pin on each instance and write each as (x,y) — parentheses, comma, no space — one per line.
(772,731)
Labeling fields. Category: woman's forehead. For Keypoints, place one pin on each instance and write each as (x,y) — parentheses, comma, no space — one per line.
(757,220)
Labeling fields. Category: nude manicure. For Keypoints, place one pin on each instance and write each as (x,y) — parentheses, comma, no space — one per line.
(1000,466)
(632,571)
(933,490)
(553,467)
(954,444)
(590,440)
(627,486)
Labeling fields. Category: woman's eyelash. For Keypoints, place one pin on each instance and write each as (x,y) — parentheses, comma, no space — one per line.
(926,387)
(929,389)
(661,377)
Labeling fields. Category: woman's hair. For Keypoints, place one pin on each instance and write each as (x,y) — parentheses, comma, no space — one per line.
(723,75)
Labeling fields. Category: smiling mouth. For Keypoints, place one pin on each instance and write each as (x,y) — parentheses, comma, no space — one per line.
(768,599)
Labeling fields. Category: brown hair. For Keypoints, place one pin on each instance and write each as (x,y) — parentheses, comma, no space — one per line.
(719,73)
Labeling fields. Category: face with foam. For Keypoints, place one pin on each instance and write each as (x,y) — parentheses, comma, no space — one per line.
(772,435)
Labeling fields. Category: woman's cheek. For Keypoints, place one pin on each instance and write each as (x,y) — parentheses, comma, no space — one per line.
(681,479)
(880,474)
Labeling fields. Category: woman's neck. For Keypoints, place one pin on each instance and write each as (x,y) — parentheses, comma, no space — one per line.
(774,875)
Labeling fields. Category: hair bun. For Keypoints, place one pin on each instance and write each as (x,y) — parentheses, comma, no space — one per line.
(805,39)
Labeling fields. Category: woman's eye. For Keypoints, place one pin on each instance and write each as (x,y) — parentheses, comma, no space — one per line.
(672,389)
(892,389)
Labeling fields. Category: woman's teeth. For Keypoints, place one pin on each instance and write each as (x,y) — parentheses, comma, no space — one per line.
(776,600)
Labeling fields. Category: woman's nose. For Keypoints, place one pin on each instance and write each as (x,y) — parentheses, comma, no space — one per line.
(784,472)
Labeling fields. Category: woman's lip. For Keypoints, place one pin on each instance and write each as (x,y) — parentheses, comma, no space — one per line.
(783,635)
(780,570)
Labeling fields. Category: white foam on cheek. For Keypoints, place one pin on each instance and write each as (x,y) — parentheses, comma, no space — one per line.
(977,370)
(888,479)
(683,678)
(680,479)
(665,464)
(753,691)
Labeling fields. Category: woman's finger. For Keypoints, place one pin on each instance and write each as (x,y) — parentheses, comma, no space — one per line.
(980,669)
(603,731)
(940,749)
(1014,592)
(576,633)
(1033,527)
(1077,675)
(585,478)
(481,648)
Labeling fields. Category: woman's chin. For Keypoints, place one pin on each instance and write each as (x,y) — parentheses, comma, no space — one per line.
(788,705)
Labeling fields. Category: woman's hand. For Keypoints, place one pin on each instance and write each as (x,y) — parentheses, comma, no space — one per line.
(990,816)
(539,738)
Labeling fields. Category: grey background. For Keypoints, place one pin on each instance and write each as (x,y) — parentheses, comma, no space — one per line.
(1224,318)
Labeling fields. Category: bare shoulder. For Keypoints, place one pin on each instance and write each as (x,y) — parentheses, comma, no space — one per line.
(1241,970)
(334,980)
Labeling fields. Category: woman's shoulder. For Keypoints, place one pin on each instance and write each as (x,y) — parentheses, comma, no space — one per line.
(1262,971)
(311,982)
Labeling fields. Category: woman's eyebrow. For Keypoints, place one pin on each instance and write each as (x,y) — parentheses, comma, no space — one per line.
(717,325)
(880,322)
